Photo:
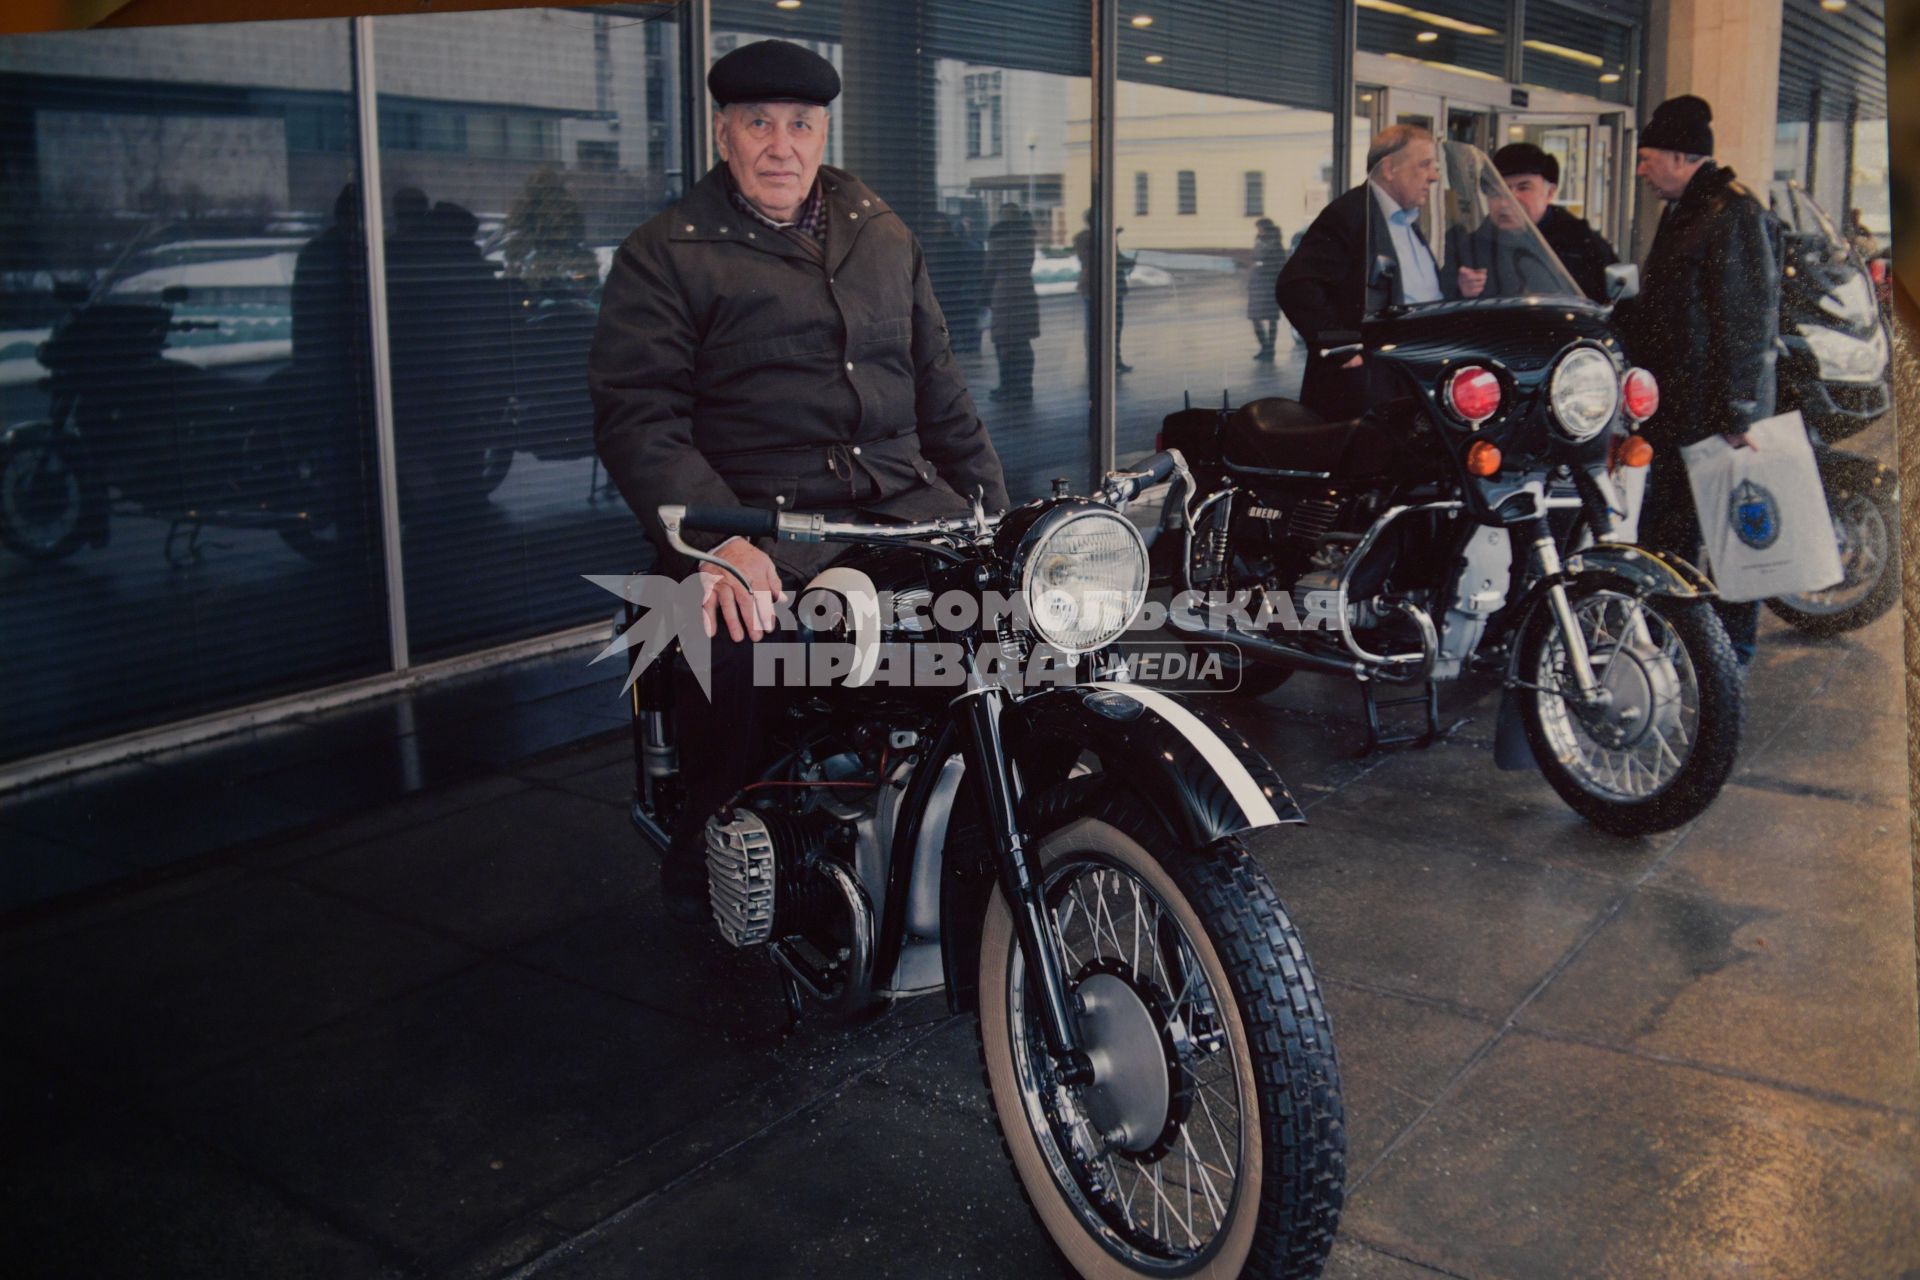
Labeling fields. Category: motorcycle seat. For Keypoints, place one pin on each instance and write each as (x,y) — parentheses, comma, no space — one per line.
(1284,435)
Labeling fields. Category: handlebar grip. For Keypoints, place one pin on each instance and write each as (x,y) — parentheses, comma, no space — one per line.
(748,522)
(1159,467)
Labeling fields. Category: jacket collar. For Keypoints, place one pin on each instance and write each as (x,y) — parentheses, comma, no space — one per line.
(706,213)
(1708,181)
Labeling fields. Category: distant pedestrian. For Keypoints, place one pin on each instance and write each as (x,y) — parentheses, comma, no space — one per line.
(1083,250)
(1263,309)
(1704,324)
(1015,302)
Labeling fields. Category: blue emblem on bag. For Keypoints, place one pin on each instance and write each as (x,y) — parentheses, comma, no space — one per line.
(1754,515)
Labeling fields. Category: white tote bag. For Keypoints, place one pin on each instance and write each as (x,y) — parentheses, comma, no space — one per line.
(1763,513)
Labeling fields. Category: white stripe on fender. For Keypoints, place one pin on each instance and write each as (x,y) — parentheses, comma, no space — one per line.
(1246,793)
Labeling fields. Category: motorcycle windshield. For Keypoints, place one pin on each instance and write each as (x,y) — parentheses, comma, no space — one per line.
(1800,216)
(1487,249)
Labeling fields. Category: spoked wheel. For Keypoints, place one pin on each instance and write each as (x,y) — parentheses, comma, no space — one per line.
(1658,749)
(1867,524)
(44,497)
(1211,1141)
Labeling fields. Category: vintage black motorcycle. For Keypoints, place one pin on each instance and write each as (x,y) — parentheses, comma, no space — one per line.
(1835,368)
(132,428)
(1426,532)
(1065,860)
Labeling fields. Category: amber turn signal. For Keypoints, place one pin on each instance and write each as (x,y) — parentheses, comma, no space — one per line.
(1483,458)
(1634,451)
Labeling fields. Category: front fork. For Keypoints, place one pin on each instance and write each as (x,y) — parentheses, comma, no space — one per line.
(981,711)
(1547,556)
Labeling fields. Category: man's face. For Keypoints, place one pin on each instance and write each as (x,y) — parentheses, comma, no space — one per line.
(1409,173)
(1534,193)
(1666,172)
(773,150)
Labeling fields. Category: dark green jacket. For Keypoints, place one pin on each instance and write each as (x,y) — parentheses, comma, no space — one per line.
(732,367)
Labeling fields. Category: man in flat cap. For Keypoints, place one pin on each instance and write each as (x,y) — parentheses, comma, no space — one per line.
(1534,178)
(1704,323)
(773,341)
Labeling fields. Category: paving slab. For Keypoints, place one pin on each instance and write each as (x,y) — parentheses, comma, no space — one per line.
(200,979)
(125,1200)
(1559,1159)
(495,875)
(433,1121)
(375,821)
(34,868)
(1798,853)
(1818,1001)
(876,1184)
(1477,931)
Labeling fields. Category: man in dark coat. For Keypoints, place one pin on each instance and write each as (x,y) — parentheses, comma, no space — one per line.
(1324,288)
(1534,178)
(773,341)
(1704,323)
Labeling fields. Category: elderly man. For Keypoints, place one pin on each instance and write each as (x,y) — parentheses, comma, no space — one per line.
(773,341)
(1534,178)
(1704,323)
(1325,286)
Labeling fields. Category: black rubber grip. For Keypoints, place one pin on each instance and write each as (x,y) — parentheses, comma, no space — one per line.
(1159,467)
(748,522)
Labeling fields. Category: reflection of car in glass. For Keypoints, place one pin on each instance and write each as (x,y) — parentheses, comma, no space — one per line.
(1835,369)
(131,422)
(1414,545)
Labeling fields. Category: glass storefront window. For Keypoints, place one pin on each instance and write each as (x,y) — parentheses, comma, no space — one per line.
(1248,169)
(969,120)
(1465,36)
(1873,181)
(187,500)
(1572,50)
(518,149)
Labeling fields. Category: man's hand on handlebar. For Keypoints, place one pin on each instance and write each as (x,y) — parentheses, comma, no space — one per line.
(746,615)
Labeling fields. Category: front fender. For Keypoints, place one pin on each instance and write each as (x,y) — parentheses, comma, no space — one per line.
(1202,779)
(1652,573)
(1199,774)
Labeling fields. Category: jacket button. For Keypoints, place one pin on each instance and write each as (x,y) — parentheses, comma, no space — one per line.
(849,366)
(866,204)
(856,451)
(853,215)
(779,499)
(751,236)
(689,226)
(723,231)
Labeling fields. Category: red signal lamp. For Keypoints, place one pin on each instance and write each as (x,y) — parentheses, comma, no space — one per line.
(1473,394)
(1641,392)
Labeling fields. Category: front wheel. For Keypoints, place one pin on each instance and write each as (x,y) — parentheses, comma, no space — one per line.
(47,495)
(1657,751)
(1867,523)
(1211,1141)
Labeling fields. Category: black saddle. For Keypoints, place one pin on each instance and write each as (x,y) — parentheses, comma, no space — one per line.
(1284,435)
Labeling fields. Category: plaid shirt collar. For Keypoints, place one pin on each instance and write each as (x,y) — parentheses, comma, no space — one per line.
(810,221)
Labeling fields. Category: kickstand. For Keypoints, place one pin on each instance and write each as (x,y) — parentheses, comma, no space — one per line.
(1376,740)
(796,1003)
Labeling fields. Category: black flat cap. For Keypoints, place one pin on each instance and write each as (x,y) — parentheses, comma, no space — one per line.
(773,71)
(1523,159)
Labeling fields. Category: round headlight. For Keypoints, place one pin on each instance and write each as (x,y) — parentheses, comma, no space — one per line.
(1584,394)
(1083,574)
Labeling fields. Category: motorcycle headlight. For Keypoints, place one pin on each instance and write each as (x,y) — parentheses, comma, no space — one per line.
(1844,358)
(1082,572)
(1584,393)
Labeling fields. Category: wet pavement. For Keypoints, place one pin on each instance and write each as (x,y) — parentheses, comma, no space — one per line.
(390,992)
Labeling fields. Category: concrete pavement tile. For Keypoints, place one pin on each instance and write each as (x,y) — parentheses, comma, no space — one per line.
(1844,753)
(41,1105)
(1352,1260)
(126,1200)
(609,783)
(876,1184)
(35,869)
(496,875)
(114,900)
(942,1069)
(812,1065)
(1395,1058)
(1477,931)
(1798,853)
(1816,1001)
(384,819)
(437,1121)
(565,764)
(1451,794)
(197,980)
(1558,1158)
